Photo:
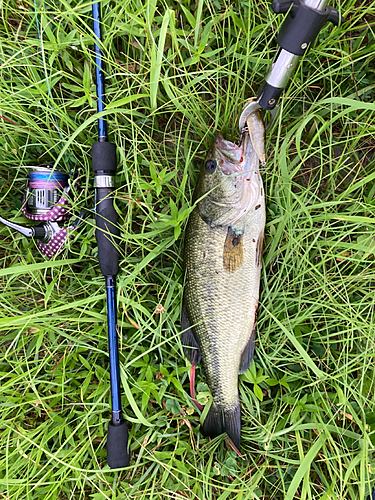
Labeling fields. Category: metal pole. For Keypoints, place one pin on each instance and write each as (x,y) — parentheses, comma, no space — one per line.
(316,4)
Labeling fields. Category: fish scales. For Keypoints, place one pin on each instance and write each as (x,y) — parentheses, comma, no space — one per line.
(222,258)
(220,301)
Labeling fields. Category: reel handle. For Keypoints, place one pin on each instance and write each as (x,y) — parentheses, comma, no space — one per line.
(107,233)
(43,232)
(26,231)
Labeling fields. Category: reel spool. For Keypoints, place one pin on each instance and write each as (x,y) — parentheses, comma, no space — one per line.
(44,189)
(46,200)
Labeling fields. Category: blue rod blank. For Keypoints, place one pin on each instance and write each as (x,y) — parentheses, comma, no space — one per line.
(114,367)
(100,92)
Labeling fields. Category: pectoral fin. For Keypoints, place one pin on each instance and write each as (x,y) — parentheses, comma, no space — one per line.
(233,251)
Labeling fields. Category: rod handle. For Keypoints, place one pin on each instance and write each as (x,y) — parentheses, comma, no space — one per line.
(107,229)
(117,445)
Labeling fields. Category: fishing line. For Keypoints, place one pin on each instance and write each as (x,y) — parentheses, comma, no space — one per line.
(47,80)
(47,201)
(154,41)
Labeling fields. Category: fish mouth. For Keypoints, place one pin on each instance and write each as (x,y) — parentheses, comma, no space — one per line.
(226,147)
(232,157)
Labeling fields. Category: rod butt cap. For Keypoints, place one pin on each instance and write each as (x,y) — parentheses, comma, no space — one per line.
(117,445)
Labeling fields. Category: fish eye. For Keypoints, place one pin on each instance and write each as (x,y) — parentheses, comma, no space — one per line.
(210,166)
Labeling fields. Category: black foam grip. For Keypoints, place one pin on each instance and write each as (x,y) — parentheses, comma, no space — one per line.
(117,445)
(104,157)
(107,232)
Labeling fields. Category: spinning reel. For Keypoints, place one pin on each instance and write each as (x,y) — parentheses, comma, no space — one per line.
(46,201)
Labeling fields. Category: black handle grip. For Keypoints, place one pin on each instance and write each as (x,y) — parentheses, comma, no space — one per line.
(107,232)
(107,229)
(302,24)
(104,157)
(117,445)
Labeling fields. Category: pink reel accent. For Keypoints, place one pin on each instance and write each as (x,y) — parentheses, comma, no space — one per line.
(57,243)
(55,246)
(60,212)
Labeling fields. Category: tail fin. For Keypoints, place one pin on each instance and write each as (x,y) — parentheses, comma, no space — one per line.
(220,420)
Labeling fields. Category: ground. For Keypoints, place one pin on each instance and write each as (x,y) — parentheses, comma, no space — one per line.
(176,73)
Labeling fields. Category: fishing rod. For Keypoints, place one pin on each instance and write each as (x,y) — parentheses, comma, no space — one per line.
(47,202)
(299,30)
(107,233)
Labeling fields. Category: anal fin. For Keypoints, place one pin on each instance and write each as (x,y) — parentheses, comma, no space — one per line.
(189,343)
(247,354)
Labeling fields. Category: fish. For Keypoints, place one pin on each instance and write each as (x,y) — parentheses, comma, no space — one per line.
(222,261)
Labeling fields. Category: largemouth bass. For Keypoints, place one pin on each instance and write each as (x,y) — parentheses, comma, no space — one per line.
(222,258)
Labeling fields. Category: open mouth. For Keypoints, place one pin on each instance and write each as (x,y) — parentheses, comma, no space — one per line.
(232,157)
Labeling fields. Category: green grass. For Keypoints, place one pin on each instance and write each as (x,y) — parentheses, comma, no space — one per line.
(176,73)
